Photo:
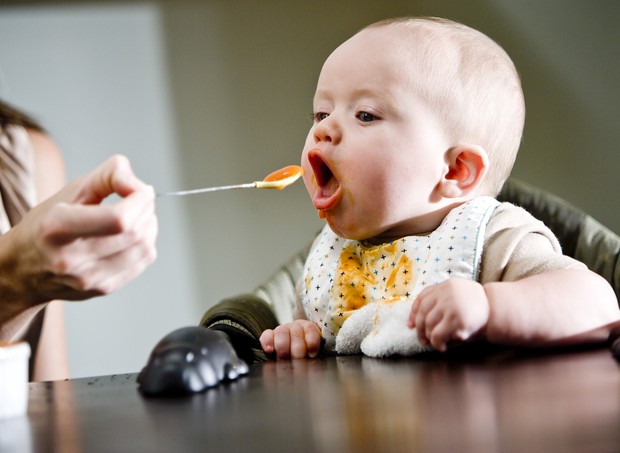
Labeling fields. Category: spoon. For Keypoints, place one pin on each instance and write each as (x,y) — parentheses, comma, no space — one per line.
(278,179)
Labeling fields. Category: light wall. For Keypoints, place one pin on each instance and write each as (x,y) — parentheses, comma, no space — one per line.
(217,92)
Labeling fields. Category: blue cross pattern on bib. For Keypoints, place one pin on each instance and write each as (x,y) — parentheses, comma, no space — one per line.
(341,276)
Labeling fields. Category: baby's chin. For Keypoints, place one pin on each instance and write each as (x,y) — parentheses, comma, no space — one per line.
(348,230)
(367,234)
(350,223)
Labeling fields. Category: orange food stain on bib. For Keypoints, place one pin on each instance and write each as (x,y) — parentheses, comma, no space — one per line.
(369,274)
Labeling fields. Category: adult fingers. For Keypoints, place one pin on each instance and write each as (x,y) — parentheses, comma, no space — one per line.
(138,231)
(64,222)
(83,274)
(112,176)
(118,269)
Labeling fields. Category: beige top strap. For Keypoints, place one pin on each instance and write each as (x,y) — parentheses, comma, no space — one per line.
(17,184)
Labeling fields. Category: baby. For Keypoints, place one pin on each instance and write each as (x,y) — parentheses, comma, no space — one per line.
(417,123)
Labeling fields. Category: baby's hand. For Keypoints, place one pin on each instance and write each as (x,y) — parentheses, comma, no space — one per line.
(294,340)
(454,309)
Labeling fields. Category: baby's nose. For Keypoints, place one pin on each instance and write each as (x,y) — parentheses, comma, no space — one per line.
(327,130)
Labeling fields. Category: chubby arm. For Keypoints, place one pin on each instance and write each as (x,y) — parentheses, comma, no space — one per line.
(560,306)
(550,308)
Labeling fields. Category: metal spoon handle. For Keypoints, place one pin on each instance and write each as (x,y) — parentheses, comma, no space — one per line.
(206,189)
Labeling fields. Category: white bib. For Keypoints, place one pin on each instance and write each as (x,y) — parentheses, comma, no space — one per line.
(372,287)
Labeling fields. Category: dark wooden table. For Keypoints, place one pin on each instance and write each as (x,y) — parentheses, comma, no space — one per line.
(497,401)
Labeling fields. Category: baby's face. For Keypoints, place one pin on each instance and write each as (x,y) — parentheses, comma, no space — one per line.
(375,152)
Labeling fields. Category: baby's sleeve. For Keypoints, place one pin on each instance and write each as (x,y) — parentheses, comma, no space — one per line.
(517,245)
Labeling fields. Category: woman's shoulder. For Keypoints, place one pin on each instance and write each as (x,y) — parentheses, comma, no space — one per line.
(49,167)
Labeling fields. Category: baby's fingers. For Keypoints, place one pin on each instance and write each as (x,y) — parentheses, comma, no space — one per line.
(440,335)
(267,341)
(422,306)
(305,340)
(415,307)
(297,342)
(313,339)
(282,342)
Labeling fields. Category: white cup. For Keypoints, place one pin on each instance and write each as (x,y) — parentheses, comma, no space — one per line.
(13,379)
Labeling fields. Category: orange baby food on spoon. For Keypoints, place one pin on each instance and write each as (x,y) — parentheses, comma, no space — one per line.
(281,178)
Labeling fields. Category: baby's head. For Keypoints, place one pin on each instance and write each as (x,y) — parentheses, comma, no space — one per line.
(470,82)
(412,116)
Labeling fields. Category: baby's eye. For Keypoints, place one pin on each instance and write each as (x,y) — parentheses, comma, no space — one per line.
(318,116)
(366,117)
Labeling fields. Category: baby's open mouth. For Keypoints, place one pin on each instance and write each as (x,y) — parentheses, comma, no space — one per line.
(328,191)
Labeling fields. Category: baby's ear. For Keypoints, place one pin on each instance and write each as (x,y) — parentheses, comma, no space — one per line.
(466,168)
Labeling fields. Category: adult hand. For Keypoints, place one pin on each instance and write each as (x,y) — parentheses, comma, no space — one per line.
(72,247)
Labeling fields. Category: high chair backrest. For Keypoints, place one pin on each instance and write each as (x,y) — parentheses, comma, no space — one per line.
(581,236)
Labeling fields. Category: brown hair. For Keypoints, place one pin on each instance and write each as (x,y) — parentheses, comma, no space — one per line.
(10,115)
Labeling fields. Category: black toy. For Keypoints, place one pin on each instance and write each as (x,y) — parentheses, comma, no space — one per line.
(190,360)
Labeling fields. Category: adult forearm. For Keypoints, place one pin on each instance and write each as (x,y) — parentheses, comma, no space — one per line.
(553,307)
(18,303)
